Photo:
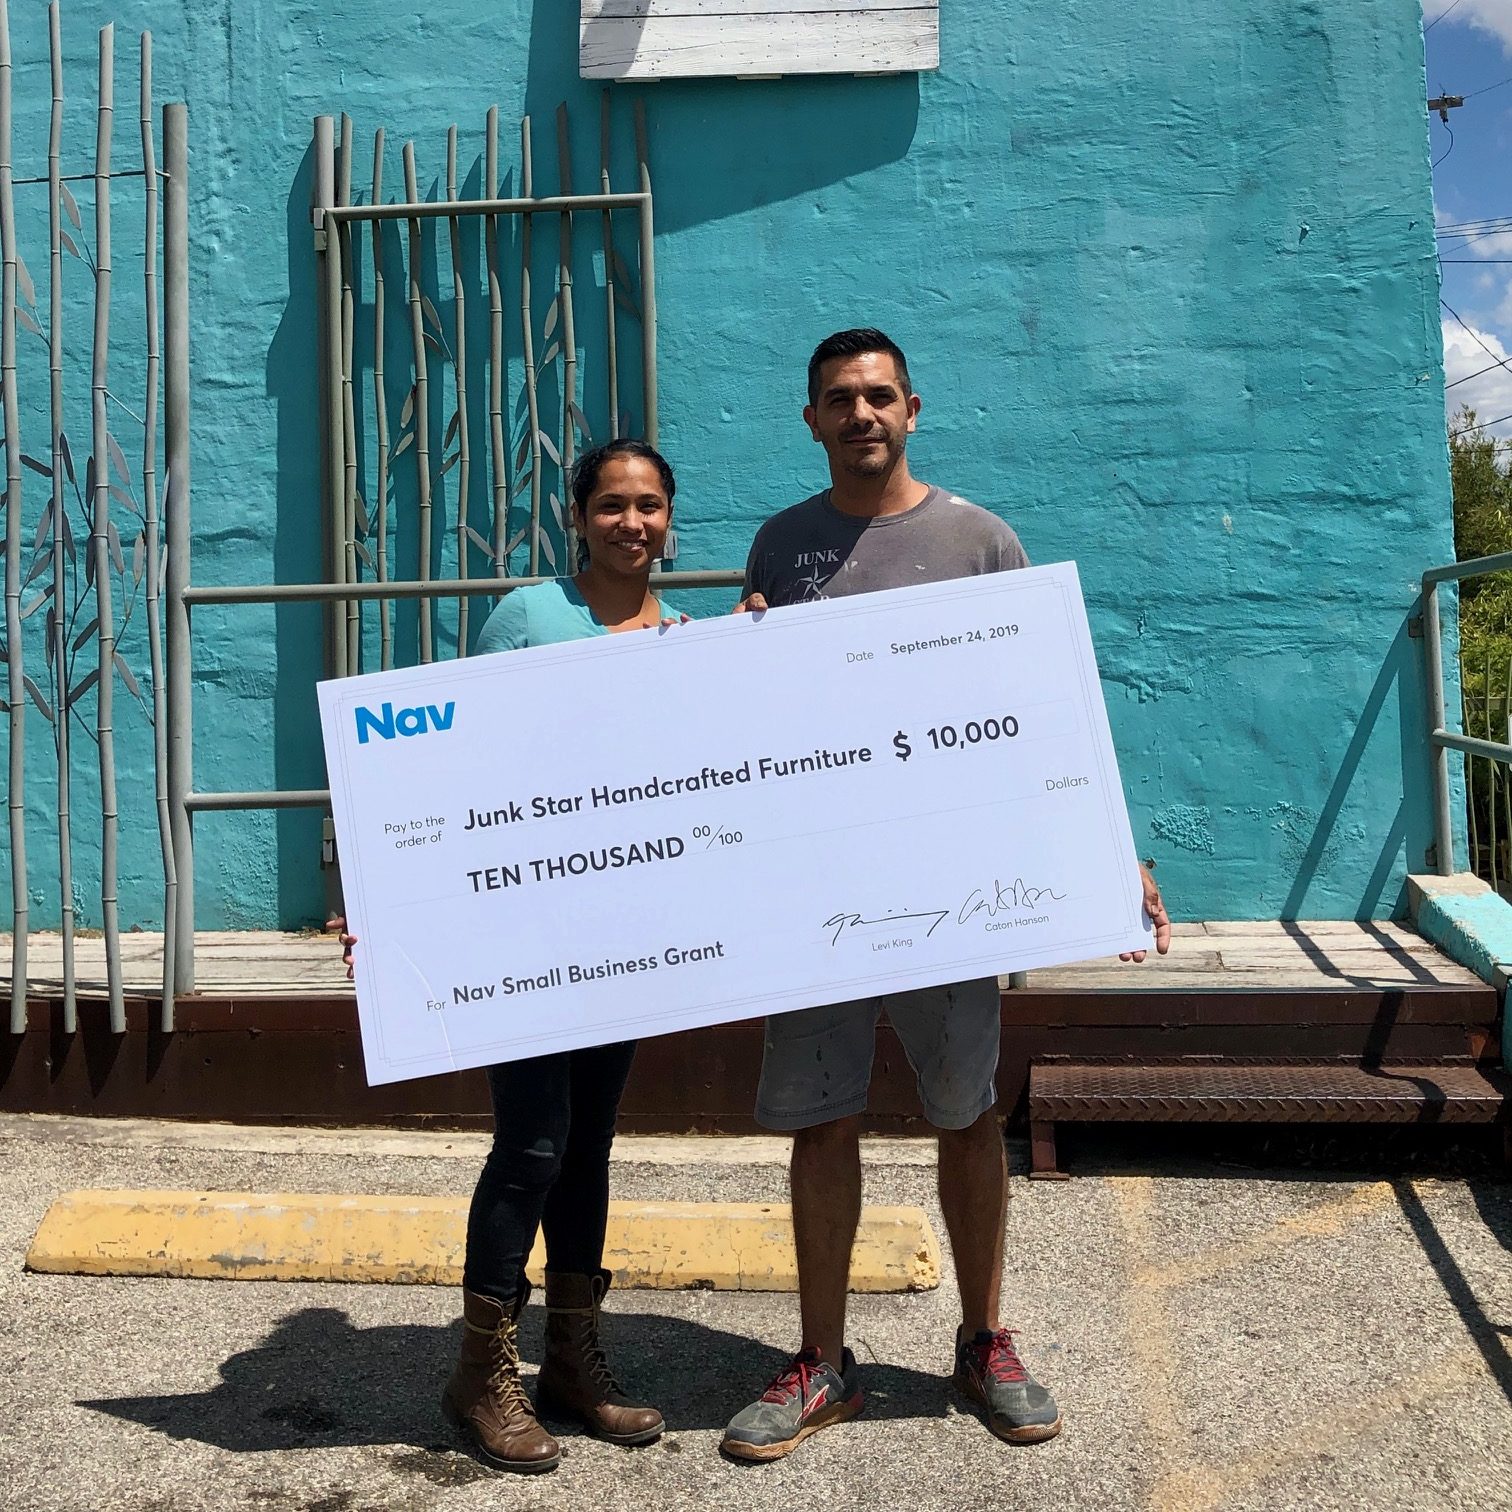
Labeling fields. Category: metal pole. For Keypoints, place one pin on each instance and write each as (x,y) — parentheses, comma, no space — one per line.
(344,254)
(648,277)
(1455,572)
(380,415)
(153,546)
(271,798)
(322,193)
(611,332)
(103,543)
(569,338)
(62,544)
(463,455)
(16,688)
(1471,745)
(319,593)
(527,346)
(176,530)
(1491,768)
(497,441)
(1443,824)
(328,286)
(421,392)
(417,209)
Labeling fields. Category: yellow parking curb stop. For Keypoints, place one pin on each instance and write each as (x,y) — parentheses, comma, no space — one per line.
(314,1236)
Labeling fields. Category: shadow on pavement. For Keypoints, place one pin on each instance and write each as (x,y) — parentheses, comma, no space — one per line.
(318,1380)
(1283,1152)
(1485,1334)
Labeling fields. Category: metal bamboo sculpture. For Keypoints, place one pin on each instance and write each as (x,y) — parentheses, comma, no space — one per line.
(61,542)
(16,680)
(104,561)
(101,539)
(150,552)
(498,445)
(176,452)
(462,457)
(569,339)
(342,657)
(348,403)
(540,457)
(420,398)
(611,334)
(650,424)
(527,323)
(380,411)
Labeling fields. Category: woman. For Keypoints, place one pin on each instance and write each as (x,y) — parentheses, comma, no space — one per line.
(554,1115)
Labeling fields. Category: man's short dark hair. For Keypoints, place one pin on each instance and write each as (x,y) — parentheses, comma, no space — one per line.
(856,343)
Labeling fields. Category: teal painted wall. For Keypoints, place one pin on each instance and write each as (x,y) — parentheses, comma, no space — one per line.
(1166,277)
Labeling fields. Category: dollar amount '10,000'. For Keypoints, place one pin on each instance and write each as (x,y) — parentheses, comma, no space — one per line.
(945,737)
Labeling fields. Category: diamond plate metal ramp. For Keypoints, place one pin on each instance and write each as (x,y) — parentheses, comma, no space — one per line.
(1258,1093)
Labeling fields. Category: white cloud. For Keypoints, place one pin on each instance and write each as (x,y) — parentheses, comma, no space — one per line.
(1497,244)
(1493,16)
(1489,394)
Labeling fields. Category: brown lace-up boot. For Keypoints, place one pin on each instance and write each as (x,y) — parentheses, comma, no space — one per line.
(576,1381)
(484,1397)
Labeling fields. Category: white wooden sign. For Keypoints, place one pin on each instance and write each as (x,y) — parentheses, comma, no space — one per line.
(688,39)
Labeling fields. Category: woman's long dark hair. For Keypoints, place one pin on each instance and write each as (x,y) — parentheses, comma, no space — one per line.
(585,475)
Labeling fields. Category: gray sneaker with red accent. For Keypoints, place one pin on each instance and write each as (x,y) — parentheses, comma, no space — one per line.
(809,1394)
(990,1375)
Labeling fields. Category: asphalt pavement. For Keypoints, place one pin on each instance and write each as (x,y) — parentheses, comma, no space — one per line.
(1226,1325)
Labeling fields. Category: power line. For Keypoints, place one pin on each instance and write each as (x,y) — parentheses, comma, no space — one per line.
(1450,148)
(1480,425)
(1480,234)
(1441,15)
(1500,362)
(1489,88)
(1468,376)
(1469,243)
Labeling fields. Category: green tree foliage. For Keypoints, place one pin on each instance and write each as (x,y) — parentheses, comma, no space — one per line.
(1479,471)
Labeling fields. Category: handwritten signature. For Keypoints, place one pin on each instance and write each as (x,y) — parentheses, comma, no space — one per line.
(840,922)
(1016,894)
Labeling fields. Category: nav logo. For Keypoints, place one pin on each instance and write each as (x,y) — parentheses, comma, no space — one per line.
(390,722)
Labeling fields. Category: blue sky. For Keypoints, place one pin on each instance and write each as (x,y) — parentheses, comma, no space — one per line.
(1469,53)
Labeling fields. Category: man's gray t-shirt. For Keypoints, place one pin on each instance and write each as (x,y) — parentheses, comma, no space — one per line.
(814,551)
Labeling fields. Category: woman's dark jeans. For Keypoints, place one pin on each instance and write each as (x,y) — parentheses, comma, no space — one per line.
(549,1166)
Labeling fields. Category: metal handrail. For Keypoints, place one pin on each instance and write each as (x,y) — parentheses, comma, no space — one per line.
(1441,739)
(322,593)
(1472,745)
(325,593)
(436,209)
(273,798)
(1476,567)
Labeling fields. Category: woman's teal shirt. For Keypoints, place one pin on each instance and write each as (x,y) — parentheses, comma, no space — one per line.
(543,615)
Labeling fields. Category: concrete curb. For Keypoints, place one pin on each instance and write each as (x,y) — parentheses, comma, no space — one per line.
(288,1236)
(1471,924)
(424,1144)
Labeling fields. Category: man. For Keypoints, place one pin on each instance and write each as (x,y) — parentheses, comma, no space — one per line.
(876,527)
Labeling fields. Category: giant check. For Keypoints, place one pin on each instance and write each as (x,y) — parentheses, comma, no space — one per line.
(638,833)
